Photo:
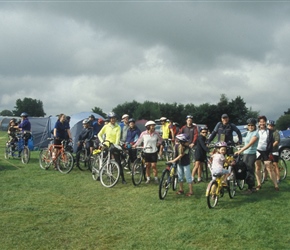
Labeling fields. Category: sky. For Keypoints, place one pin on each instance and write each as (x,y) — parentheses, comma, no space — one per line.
(77,55)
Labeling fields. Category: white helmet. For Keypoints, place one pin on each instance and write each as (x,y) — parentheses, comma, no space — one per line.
(124,116)
(150,123)
(163,119)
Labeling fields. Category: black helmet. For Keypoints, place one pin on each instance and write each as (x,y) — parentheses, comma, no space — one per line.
(24,114)
(252,121)
(131,120)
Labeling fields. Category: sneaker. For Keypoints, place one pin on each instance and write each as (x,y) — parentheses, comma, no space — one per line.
(277,188)
(124,182)
(147,181)
(156,181)
(126,168)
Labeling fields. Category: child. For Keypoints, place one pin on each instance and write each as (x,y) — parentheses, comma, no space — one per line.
(219,160)
(200,153)
(183,163)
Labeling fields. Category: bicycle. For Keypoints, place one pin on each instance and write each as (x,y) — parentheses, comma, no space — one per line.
(169,177)
(168,151)
(60,158)
(18,146)
(282,170)
(109,169)
(124,156)
(139,168)
(215,189)
(84,158)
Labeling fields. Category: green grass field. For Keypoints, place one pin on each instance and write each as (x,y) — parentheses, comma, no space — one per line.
(44,209)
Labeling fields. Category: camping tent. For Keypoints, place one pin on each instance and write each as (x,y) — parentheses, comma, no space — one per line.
(41,127)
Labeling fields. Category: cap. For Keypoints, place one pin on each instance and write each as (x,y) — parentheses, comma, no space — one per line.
(225,116)
(124,116)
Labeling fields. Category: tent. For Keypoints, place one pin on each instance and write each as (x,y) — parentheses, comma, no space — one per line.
(41,127)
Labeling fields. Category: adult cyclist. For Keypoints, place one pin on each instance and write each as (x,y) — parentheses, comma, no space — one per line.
(113,134)
(224,130)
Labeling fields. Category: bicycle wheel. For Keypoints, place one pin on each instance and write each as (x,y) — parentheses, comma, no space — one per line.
(232,185)
(174,182)
(169,153)
(211,193)
(137,172)
(164,184)
(241,184)
(83,163)
(95,165)
(45,159)
(7,151)
(109,174)
(65,162)
(282,168)
(25,155)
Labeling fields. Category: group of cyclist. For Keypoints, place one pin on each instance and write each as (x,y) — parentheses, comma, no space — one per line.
(260,144)
(23,127)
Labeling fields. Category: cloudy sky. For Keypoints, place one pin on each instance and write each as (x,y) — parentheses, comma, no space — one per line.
(77,55)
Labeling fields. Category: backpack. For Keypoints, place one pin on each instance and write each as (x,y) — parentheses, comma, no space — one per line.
(240,169)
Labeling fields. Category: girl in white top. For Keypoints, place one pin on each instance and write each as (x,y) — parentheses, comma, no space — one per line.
(218,160)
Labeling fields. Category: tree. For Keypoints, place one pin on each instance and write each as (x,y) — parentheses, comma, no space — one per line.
(127,108)
(148,111)
(6,112)
(99,111)
(31,106)
(283,122)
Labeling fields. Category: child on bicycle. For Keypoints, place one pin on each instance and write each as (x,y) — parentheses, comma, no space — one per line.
(219,160)
(182,159)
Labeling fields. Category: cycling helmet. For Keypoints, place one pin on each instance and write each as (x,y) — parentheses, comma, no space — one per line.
(271,122)
(221,144)
(124,116)
(150,123)
(252,121)
(86,121)
(189,117)
(182,137)
(111,114)
(92,116)
(131,120)
(24,114)
(203,128)
(163,119)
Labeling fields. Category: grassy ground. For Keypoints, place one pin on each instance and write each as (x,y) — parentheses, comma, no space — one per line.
(44,209)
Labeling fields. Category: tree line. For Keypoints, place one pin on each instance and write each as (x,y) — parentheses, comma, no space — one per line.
(206,113)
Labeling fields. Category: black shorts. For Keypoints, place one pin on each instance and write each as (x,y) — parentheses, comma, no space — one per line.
(264,155)
(150,157)
(57,141)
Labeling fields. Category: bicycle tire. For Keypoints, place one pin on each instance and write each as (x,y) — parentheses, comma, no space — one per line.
(282,168)
(241,184)
(164,184)
(83,163)
(65,162)
(137,172)
(211,194)
(109,174)
(7,152)
(174,182)
(25,155)
(232,185)
(45,159)
(95,165)
(263,172)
